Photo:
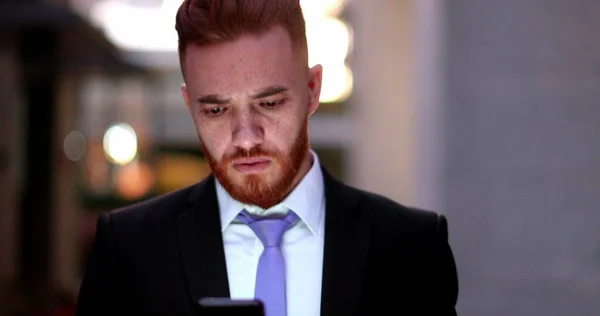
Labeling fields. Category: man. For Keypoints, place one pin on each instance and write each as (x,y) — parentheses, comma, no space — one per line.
(338,250)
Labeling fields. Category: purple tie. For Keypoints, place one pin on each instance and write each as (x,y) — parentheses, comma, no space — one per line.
(270,275)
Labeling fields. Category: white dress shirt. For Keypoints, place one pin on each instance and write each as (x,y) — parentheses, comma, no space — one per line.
(302,244)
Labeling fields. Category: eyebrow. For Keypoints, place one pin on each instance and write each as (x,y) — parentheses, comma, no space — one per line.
(266,92)
(212,99)
(269,91)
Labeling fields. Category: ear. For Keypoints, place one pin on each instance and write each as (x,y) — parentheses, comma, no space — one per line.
(315,76)
(185,95)
(186,98)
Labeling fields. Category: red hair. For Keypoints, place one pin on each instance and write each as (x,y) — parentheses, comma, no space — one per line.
(206,22)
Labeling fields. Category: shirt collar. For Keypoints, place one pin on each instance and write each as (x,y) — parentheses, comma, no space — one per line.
(306,200)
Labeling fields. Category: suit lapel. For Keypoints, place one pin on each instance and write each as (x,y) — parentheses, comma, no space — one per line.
(345,252)
(201,244)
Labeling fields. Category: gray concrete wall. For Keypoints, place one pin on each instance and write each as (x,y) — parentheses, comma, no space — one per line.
(522,154)
(383,156)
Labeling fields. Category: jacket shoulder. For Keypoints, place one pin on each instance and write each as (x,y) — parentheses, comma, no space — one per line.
(385,214)
(152,214)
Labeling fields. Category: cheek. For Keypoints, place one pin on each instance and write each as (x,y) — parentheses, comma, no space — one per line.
(284,134)
(213,142)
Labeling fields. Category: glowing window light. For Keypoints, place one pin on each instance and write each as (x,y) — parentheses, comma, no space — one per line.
(337,83)
(120,143)
(329,41)
(138,28)
(321,8)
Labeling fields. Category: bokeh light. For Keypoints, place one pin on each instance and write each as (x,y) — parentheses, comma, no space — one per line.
(134,180)
(75,146)
(120,143)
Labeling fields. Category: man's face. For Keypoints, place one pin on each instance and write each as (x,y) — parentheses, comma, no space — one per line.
(250,100)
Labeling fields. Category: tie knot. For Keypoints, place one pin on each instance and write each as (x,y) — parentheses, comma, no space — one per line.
(268,229)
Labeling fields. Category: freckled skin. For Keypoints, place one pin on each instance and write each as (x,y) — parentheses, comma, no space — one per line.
(233,73)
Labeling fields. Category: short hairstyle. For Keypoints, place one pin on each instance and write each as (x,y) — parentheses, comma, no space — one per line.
(206,22)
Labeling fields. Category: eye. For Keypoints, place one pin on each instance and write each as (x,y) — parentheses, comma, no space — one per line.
(215,111)
(270,105)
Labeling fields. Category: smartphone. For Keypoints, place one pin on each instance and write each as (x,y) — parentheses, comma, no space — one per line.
(217,306)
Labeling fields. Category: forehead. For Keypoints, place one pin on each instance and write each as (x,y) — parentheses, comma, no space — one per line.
(245,64)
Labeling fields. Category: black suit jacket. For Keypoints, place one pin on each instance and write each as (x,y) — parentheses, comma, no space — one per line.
(162,255)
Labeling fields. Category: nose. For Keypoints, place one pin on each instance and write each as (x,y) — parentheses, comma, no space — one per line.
(247,131)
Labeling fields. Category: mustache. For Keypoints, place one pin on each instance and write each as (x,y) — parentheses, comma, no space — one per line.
(254,152)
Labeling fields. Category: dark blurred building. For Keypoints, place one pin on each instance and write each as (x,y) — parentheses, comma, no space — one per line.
(44,45)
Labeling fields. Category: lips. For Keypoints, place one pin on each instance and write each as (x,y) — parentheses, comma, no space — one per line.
(251,165)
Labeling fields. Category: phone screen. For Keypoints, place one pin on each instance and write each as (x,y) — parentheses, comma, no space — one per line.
(216,306)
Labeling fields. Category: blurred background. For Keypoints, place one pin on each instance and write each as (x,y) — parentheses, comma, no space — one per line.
(485,111)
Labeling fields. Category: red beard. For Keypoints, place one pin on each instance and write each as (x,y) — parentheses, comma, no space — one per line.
(256,189)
